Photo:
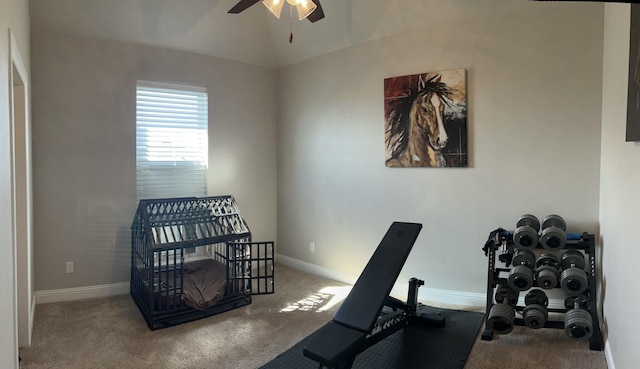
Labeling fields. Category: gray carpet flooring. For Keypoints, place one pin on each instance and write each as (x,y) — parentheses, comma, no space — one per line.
(111,333)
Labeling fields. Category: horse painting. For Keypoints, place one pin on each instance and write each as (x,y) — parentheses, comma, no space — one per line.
(415,131)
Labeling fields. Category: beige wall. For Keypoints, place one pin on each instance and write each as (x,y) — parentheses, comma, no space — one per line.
(13,16)
(534,87)
(546,133)
(84,148)
(619,201)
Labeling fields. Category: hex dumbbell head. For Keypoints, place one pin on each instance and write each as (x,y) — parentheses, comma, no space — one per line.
(547,273)
(524,257)
(529,220)
(554,220)
(520,278)
(572,258)
(535,313)
(526,234)
(507,294)
(535,316)
(521,275)
(578,324)
(553,235)
(576,302)
(536,297)
(547,259)
(574,281)
(501,318)
(547,276)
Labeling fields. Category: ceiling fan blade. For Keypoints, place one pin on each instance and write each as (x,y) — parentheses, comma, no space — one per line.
(242,5)
(317,14)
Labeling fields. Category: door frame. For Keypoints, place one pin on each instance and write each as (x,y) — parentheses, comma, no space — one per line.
(21,192)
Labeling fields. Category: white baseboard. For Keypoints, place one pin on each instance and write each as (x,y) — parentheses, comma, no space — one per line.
(607,355)
(32,317)
(81,293)
(316,269)
(400,289)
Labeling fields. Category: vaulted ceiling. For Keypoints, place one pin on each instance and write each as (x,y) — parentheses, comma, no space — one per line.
(255,36)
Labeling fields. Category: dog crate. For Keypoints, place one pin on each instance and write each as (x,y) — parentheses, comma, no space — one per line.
(194,257)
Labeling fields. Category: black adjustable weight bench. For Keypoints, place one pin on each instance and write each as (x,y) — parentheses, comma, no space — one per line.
(362,320)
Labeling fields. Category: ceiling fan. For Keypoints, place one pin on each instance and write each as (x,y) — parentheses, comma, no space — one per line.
(310,9)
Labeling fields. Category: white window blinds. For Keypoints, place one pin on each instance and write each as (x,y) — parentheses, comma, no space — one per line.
(171,140)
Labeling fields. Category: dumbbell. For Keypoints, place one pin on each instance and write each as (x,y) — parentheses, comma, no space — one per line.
(573,278)
(526,234)
(521,275)
(535,313)
(547,271)
(577,321)
(553,235)
(502,314)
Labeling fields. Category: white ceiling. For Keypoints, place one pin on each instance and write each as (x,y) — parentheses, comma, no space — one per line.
(254,36)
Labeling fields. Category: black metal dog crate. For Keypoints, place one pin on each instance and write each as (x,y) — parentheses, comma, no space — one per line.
(193,257)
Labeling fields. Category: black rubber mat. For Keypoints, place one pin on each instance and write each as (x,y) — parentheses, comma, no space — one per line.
(411,348)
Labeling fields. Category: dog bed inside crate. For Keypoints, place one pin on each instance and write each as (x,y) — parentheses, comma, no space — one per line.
(202,283)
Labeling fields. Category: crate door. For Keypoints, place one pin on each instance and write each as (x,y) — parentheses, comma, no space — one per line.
(262,268)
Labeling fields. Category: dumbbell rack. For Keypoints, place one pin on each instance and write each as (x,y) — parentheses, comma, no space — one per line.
(500,243)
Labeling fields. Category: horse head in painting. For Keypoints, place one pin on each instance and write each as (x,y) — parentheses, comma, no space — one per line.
(415,134)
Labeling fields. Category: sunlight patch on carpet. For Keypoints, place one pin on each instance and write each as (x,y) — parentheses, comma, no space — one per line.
(320,301)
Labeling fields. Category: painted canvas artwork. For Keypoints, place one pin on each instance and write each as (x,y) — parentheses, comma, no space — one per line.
(633,96)
(426,120)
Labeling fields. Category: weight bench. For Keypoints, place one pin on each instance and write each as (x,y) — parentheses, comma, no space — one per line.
(369,314)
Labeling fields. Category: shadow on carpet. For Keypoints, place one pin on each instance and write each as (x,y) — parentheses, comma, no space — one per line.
(410,348)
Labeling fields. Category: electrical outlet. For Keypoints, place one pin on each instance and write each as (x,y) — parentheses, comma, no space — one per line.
(69,266)
(312,246)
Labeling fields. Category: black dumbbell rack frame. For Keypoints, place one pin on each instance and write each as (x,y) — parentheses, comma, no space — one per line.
(501,242)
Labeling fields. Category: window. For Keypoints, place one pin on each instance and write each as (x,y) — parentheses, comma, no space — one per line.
(171,140)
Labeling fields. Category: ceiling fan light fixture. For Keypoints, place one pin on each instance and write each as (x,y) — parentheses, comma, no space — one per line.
(304,7)
(274,6)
